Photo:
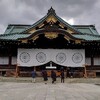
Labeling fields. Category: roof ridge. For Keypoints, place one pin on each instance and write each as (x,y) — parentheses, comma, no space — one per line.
(51,11)
(9,34)
(89,34)
(35,24)
(82,25)
(91,30)
(68,24)
(19,25)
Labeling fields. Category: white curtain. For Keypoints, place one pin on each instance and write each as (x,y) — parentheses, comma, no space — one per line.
(64,57)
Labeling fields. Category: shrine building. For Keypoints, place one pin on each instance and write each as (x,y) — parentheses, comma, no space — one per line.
(50,44)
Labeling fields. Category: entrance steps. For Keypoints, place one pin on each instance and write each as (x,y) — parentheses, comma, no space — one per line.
(40,80)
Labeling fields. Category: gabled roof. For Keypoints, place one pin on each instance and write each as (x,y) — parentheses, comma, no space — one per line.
(18,31)
(51,11)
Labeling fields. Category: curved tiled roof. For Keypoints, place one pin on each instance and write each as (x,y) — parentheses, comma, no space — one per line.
(17,31)
(16,28)
(89,29)
(16,36)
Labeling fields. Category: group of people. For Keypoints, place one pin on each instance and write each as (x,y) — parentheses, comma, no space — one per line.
(53,76)
(45,75)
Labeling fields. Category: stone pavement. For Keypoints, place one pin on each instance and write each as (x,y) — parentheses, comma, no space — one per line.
(72,89)
(41,91)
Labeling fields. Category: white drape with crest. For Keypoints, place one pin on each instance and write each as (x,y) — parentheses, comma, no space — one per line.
(64,57)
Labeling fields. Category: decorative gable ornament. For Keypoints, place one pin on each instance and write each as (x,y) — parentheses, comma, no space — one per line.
(51,35)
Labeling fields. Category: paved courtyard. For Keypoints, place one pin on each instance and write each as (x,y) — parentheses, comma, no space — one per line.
(72,89)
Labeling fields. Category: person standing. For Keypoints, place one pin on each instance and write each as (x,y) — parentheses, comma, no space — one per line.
(45,75)
(62,76)
(53,76)
(33,76)
(71,73)
(42,73)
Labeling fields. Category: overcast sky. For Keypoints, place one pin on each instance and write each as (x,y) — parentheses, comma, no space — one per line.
(84,12)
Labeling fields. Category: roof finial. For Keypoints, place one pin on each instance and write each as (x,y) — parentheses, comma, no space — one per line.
(51,11)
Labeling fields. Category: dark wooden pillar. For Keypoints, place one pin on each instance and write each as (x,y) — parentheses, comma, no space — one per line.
(10,60)
(85,72)
(92,61)
(10,57)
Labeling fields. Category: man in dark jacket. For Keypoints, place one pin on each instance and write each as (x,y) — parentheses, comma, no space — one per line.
(62,76)
(53,76)
(45,75)
(33,76)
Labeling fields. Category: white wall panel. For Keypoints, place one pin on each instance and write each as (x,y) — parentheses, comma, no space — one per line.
(14,60)
(97,61)
(4,60)
(88,61)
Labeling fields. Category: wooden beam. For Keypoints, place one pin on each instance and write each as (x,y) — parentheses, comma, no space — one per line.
(17,71)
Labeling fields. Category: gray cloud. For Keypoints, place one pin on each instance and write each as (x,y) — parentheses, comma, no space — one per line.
(30,11)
